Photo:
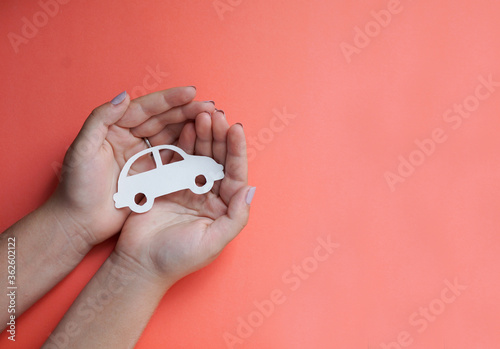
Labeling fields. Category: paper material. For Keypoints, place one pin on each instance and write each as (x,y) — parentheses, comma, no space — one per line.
(165,179)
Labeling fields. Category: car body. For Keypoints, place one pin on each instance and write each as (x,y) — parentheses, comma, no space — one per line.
(165,178)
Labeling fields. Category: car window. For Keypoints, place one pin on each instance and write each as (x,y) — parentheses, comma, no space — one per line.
(142,164)
(169,156)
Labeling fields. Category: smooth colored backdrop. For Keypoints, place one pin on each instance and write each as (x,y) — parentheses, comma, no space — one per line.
(373,128)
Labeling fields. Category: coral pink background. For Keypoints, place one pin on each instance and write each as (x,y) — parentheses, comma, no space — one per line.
(322,175)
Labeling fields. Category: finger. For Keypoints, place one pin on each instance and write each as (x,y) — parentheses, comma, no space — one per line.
(236,167)
(156,123)
(187,138)
(227,227)
(187,141)
(219,133)
(203,126)
(142,108)
(168,135)
(95,128)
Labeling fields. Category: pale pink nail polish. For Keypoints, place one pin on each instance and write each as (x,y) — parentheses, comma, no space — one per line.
(120,98)
(250,195)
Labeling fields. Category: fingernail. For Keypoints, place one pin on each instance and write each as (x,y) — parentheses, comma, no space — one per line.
(193,87)
(120,98)
(210,102)
(239,123)
(250,195)
(220,111)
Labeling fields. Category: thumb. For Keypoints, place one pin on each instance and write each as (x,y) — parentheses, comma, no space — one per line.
(95,128)
(227,227)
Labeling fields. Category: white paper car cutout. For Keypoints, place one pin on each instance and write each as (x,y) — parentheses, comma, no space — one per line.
(165,179)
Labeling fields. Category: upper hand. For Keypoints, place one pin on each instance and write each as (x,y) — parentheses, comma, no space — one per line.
(110,135)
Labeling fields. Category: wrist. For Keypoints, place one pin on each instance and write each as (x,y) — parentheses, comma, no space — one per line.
(119,300)
(131,269)
(61,227)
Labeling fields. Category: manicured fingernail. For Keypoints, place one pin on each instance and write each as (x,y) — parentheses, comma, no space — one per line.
(120,98)
(250,195)
(239,123)
(210,102)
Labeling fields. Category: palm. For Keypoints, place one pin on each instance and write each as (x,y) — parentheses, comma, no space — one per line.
(92,184)
(174,228)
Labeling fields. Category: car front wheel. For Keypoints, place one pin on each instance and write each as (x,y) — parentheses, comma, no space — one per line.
(199,188)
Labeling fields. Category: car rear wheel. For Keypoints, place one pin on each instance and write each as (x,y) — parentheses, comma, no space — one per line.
(141,203)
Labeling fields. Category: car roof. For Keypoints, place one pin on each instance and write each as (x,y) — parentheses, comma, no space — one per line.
(130,162)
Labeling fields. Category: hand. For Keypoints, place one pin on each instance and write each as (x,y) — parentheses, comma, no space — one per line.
(113,133)
(184,231)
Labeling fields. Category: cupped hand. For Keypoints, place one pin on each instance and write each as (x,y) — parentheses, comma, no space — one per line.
(111,134)
(183,231)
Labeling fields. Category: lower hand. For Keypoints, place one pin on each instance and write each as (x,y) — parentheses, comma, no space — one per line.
(184,232)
